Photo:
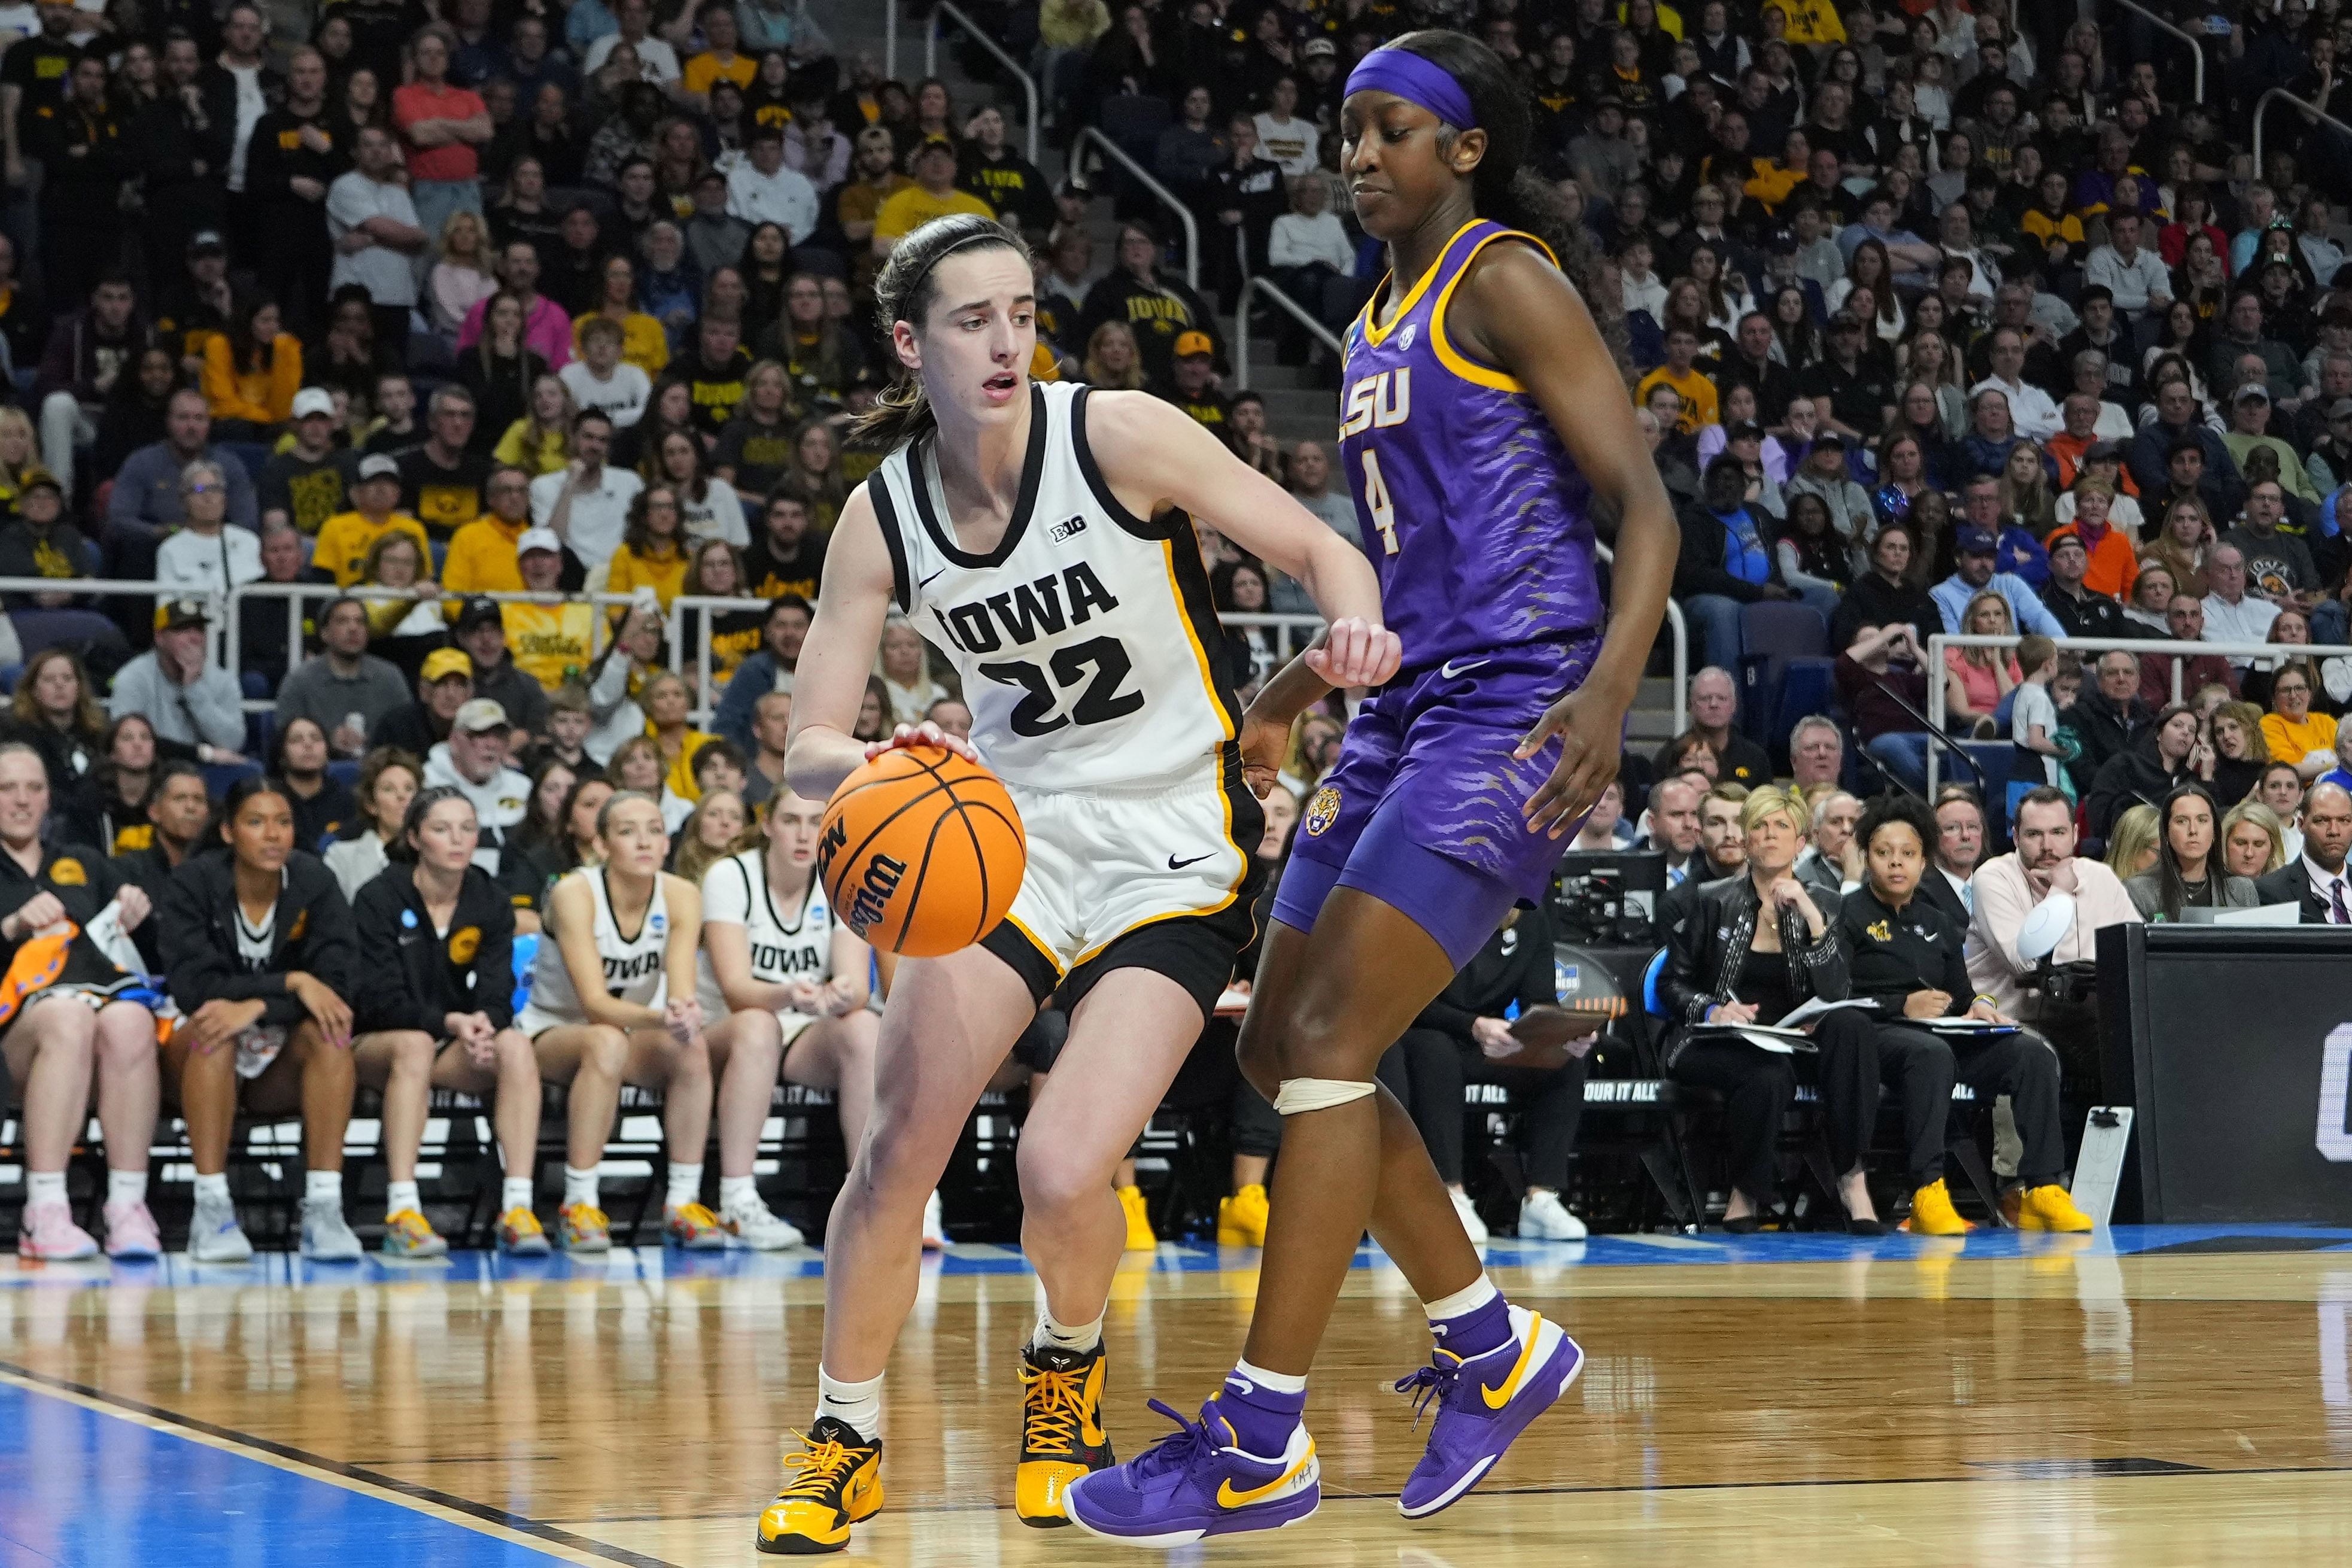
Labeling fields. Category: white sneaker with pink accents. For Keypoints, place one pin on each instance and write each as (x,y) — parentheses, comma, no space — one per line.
(131,1235)
(49,1233)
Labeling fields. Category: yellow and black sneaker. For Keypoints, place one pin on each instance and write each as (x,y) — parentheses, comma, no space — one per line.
(1061,1429)
(835,1480)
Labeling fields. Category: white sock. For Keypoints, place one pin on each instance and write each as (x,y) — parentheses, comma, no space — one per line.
(323,1187)
(580,1186)
(856,1405)
(1272,1381)
(126,1187)
(1469,1299)
(684,1186)
(1050,1335)
(214,1187)
(735,1190)
(399,1196)
(514,1193)
(44,1187)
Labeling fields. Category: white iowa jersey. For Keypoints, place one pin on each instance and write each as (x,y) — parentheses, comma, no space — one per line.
(735,893)
(633,962)
(1084,638)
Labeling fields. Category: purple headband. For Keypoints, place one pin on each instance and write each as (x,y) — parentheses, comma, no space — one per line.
(1416,81)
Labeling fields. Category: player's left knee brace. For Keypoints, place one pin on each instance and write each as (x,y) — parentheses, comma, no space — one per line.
(1299,1094)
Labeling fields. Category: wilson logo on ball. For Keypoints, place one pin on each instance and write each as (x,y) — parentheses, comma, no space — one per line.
(871,899)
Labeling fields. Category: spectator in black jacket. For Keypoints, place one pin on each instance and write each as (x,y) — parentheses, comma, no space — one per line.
(2083,612)
(87,352)
(1885,594)
(1463,1038)
(2109,716)
(290,161)
(179,150)
(83,166)
(1239,201)
(40,543)
(435,1009)
(258,953)
(1156,309)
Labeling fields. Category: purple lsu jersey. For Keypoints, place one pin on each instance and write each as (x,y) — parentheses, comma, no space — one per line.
(1473,514)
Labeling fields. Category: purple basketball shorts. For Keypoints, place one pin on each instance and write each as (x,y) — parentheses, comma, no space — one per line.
(1423,809)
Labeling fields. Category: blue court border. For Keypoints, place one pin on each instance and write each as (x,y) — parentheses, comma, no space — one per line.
(87,1485)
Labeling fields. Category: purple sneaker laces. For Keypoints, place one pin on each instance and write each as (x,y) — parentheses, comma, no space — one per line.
(1176,1450)
(1433,1383)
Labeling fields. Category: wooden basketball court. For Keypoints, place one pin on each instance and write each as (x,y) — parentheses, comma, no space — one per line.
(2161,1395)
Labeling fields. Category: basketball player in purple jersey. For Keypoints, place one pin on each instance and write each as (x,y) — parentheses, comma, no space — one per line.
(1486,426)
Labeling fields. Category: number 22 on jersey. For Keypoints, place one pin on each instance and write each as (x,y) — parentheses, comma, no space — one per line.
(1379,402)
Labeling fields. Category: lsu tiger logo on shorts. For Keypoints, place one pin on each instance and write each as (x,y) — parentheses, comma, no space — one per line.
(464,943)
(1322,811)
(67,873)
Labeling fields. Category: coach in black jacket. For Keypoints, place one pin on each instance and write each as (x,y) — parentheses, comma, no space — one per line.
(2326,835)
(1708,978)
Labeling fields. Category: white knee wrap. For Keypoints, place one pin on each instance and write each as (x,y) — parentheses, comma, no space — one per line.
(1298,1094)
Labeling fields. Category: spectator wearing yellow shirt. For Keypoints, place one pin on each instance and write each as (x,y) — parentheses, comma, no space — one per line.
(482,554)
(345,539)
(667,703)
(2296,734)
(643,342)
(1696,392)
(1810,21)
(717,61)
(933,194)
(541,441)
(552,642)
(653,547)
(251,374)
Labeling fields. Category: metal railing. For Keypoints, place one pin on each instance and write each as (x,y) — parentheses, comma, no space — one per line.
(2196,48)
(296,594)
(2178,652)
(973,30)
(2310,111)
(700,606)
(889,40)
(1680,627)
(1144,178)
(1298,312)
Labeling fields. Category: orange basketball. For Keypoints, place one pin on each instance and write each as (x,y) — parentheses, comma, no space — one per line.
(922,851)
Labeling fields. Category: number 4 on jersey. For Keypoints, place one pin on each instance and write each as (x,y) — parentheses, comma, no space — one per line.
(1376,501)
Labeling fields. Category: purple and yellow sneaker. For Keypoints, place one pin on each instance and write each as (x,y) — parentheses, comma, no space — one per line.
(1194,1483)
(1484,1401)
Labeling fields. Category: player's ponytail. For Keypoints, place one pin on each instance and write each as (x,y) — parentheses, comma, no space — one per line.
(1505,189)
(904,291)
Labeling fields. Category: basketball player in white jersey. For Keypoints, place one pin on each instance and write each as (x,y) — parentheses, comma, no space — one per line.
(1039,536)
(617,938)
(788,984)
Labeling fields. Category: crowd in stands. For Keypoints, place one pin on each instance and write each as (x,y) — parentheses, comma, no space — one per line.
(1939,318)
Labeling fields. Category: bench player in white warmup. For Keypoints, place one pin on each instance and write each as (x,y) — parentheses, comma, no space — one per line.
(1040,537)
(788,983)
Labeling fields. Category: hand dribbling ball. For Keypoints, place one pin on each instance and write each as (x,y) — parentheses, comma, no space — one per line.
(921,852)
